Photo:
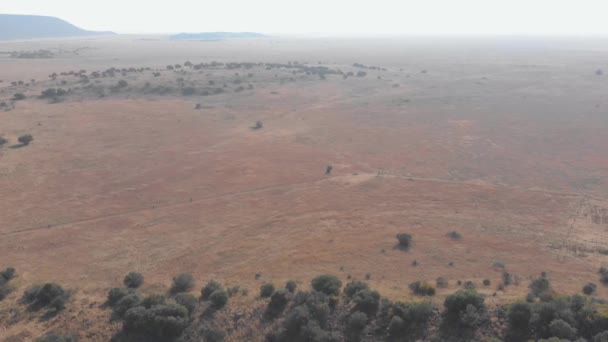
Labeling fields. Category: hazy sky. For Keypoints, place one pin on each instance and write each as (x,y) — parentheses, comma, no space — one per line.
(326,16)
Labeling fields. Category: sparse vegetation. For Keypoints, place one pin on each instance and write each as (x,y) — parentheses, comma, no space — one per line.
(133,280)
(405,240)
(25,139)
(454,235)
(422,288)
(182,283)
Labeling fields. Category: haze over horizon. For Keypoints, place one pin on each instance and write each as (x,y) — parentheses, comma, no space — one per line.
(541,17)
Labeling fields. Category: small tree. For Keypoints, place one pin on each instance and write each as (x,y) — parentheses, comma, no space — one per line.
(278,302)
(589,289)
(441,282)
(116,294)
(18,97)
(133,280)
(258,125)
(405,240)
(219,298)
(188,301)
(328,284)
(25,139)
(3,141)
(454,235)
(291,286)
(266,290)
(208,289)
(182,283)
(328,169)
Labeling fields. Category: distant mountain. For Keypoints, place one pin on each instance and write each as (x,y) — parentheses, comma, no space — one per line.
(216,35)
(34,26)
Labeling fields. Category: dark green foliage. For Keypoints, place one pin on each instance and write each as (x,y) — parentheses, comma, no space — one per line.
(232,291)
(561,329)
(356,324)
(116,294)
(52,337)
(53,93)
(219,298)
(422,288)
(182,283)
(212,334)
(5,290)
(48,295)
(540,286)
(18,97)
(152,300)
(208,289)
(291,286)
(165,322)
(408,322)
(125,303)
(601,337)
(604,275)
(278,302)
(366,301)
(188,301)
(25,139)
(507,279)
(487,282)
(266,290)
(469,285)
(518,316)
(3,141)
(454,235)
(133,280)
(328,284)
(122,84)
(353,287)
(441,282)
(405,240)
(8,273)
(589,289)
(464,313)
(258,125)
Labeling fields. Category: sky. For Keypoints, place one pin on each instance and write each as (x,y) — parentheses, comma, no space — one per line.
(341,17)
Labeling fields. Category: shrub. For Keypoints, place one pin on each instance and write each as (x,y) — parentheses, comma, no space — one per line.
(327,284)
(540,286)
(122,84)
(507,279)
(3,141)
(441,282)
(353,287)
(208,289)
(561,329)
(454,235)
(4,291)
(152,300)
(356,324)
(52,337)
(125,303)
(18,97)
(258,125)
(163,322)
(49,294)
(29,295)
(456,305)
(422,288)
(213,334)
(367,301)
(469,285)
(188,301)
(487,282)
(8,273)
(116,294)
(25,139)
(182,283)
(232,291)
(291,286)
(405,240)
(601,337)
(604,275)
(518,316)
(278,302)
(589,289)
(266,290)
(219,298)
(409,320)
(133,280)
(396,327)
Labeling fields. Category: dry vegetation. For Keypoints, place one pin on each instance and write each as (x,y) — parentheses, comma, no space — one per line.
(416,176)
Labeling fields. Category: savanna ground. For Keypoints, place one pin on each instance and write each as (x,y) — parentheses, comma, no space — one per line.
(501,140)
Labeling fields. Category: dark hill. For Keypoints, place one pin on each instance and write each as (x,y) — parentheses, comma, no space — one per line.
(34,26)
(216,35)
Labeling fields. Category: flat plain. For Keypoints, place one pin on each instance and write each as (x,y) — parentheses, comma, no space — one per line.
(501,139)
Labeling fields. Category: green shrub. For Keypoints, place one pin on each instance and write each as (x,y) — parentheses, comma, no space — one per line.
(133,280)
(278,302)
(182,283)
(518,316)
(212,334)
(116,294)
(487,282)
(405,240)
(589,289)
(219,298)
(164,322)
(125,303)
(52,337)
(3,141)
(441,282)
(327,284)
(48,295)
(353,287)
(422,288)
(454,235)
(366,301)
(208,289)
(540,286)
(464,309)
(188,301)
(9,272)
(291,286)
(266,290)
(356,324)
(152,300)
(25,139)
(561,329)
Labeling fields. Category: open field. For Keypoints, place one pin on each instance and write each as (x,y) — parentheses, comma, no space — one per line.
(503,141)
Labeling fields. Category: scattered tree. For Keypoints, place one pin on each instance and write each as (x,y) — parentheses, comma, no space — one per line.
(133,280)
